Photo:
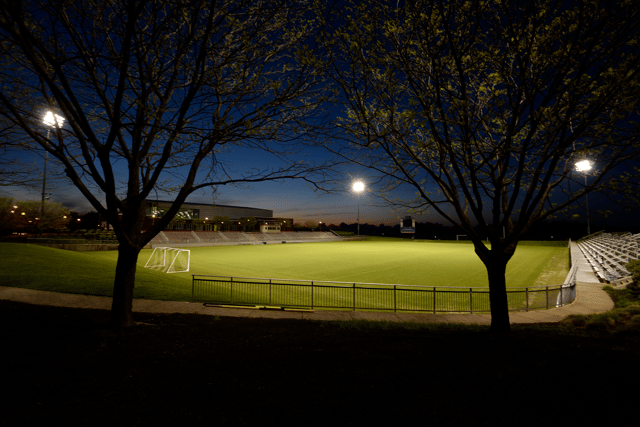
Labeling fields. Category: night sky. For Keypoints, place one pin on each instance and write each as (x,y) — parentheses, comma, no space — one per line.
(297,199)
(289,199)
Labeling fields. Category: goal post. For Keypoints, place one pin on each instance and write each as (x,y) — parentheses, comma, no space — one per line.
(180,260)
(157,258)
(169,260)
(461,237)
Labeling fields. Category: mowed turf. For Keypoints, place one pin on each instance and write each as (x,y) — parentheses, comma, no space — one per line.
(392,261)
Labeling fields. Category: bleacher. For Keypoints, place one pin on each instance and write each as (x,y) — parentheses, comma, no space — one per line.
(609,253)
(209,236)
(179,237)
(225,238)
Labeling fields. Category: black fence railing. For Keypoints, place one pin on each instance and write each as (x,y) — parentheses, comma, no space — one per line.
(369,296)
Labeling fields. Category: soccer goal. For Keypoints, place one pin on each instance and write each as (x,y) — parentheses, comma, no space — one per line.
(462,237)
(169,260)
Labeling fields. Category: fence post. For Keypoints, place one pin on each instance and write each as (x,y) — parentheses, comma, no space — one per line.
(526,292)
(231,289)
(312,295)
(269,291)
(354,297)
(434,300)
(395,303)
(547,295)
(193,286)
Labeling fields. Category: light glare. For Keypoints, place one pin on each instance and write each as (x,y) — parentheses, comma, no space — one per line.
(583,165)
(358,186)
(51,119)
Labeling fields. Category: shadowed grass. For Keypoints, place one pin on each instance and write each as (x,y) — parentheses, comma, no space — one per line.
(624,318)
(197,370)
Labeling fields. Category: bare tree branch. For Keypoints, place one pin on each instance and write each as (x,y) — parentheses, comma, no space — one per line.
(483,108)
(156,93)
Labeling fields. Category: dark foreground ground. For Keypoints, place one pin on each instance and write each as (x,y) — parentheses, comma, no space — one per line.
(65,367)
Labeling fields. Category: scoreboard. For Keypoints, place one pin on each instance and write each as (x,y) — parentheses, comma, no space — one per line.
(408,225)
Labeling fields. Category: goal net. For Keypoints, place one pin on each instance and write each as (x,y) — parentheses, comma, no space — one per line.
(169,260)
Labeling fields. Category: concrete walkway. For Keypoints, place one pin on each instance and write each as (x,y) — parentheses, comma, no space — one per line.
(585,273)
(590,299)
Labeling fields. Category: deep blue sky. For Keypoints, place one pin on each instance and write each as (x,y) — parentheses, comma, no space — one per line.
(298,200)
(290,198)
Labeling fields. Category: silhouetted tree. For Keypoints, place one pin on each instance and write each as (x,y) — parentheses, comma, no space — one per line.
(484,108)
(154,95)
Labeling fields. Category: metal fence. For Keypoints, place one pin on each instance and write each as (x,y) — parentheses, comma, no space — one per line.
(369,296)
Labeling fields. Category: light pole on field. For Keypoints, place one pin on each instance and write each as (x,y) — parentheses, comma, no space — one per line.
(51,120)
(358,187)
(585,166)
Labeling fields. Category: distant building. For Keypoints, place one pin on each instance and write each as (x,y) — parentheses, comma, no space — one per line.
(214,217)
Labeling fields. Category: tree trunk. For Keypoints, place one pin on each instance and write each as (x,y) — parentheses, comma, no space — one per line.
(496,267)
(121,307)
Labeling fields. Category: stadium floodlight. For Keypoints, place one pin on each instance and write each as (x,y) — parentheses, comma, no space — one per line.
(358,187)
(585,166)
(50,120)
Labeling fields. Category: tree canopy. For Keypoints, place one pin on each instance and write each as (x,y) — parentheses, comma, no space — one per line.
(483,109)
(27,216)
(155,95)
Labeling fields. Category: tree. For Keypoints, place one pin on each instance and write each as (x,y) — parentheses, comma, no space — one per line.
(18,167)
(9,215)
(155,96)
(483,109)
(26,215)
(311,225)
(249,223)
(11,143)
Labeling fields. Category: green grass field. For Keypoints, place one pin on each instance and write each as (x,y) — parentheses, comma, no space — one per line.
(375,260)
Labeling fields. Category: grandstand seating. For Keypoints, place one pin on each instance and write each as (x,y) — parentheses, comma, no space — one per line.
(609,253)
(209,236)
(212,238)
(181,237)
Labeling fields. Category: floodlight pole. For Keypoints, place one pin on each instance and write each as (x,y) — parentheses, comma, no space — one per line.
(587,203)
(358,214)
(50,120)
(585,166)
(44,179)
(358,187)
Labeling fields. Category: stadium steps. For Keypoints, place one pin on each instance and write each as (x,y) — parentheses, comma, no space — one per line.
(248,237)
(212,238)
(608,255)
